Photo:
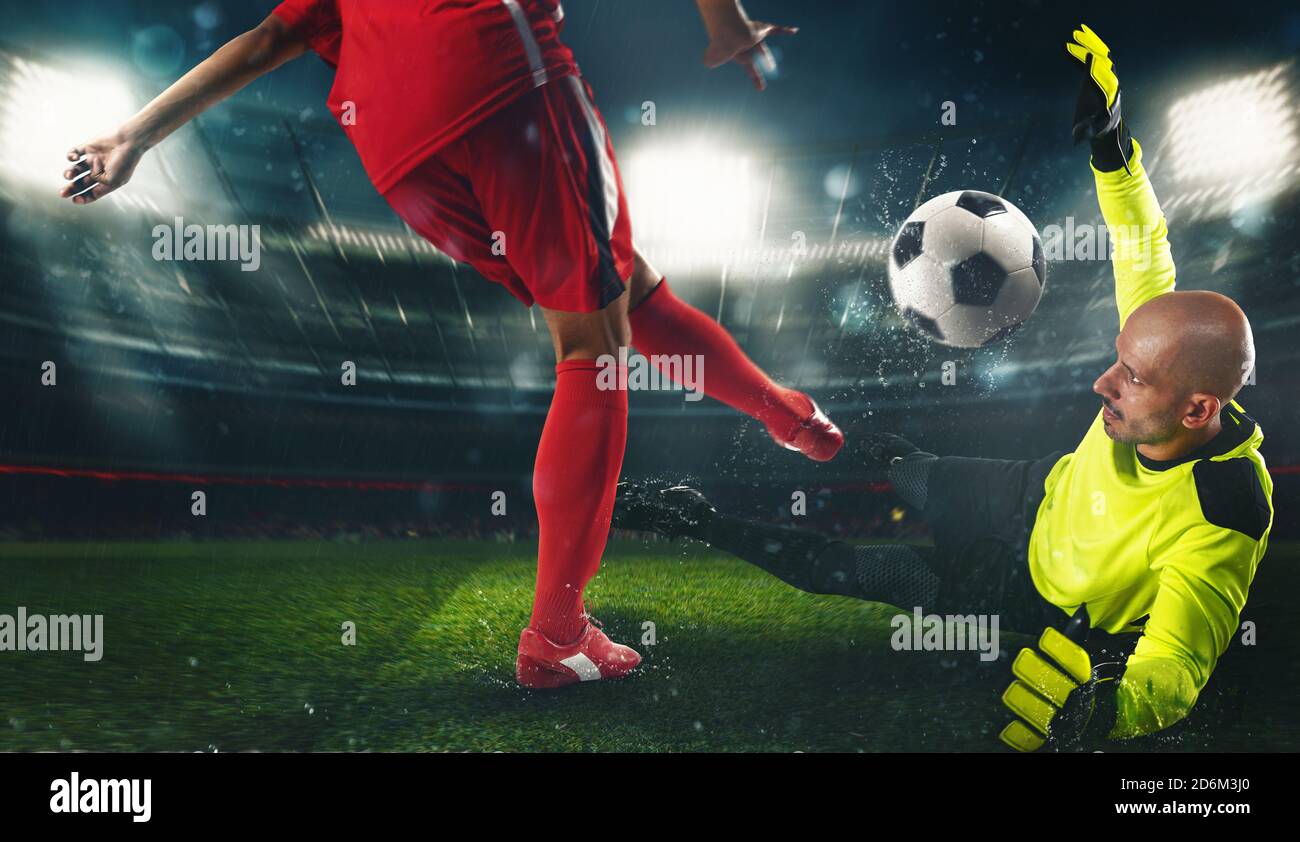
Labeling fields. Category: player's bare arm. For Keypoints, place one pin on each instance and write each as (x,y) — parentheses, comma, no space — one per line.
(103,165)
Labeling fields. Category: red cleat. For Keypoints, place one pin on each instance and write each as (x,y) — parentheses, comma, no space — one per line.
(816,436)
(544,665)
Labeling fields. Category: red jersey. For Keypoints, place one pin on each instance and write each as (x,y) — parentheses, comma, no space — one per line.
(413,75)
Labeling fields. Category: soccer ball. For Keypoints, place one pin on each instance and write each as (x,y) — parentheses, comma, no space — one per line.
(967,268)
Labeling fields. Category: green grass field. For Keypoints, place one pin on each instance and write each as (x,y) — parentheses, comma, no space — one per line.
(236,646)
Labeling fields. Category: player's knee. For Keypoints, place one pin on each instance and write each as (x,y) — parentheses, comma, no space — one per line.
(590,335)
(621,328)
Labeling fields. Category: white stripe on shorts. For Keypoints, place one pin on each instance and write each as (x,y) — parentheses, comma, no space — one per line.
(610,183)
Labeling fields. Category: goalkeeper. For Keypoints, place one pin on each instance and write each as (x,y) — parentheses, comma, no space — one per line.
(1152,529)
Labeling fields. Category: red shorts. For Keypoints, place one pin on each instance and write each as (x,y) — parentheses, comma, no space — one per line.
(532,199)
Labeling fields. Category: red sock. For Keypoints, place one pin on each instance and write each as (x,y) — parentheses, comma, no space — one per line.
(664,324)
(578,460)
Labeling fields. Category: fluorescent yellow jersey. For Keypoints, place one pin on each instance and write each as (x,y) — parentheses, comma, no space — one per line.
(1165,548)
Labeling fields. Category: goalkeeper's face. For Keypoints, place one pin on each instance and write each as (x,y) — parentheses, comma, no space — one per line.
(1179,358)
(1142,398)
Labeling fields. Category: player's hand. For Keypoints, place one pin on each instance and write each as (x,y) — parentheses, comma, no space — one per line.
(1056,697)
(744,41)
(100,167)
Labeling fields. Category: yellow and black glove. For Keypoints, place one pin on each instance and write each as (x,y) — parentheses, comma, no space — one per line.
(1062,700)
(1097,115)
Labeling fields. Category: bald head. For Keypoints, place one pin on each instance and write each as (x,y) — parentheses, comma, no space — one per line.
(1200,340)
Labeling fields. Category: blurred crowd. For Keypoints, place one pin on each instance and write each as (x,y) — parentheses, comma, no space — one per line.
(134,511)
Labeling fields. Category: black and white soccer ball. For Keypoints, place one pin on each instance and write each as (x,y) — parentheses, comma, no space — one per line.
(967,268)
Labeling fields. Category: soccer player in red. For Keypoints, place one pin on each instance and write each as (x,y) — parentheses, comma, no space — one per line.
(472,120)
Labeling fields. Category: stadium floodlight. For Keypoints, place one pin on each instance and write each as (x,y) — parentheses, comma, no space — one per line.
(46,111)
(694,198)
(1234,132)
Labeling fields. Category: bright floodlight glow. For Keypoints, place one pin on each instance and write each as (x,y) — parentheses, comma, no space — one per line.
(693,197)
(45,112)
(1236,130)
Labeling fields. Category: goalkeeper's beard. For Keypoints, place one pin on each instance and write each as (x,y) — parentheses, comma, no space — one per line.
(1153,429)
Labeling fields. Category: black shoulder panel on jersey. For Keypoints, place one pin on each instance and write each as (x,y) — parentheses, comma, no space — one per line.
(1231,495)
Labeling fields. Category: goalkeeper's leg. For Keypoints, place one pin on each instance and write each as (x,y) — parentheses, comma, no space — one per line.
(896,574)
(963,499)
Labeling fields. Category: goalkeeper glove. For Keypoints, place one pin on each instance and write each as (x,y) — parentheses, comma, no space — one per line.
(1063,701)
(1097,115)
